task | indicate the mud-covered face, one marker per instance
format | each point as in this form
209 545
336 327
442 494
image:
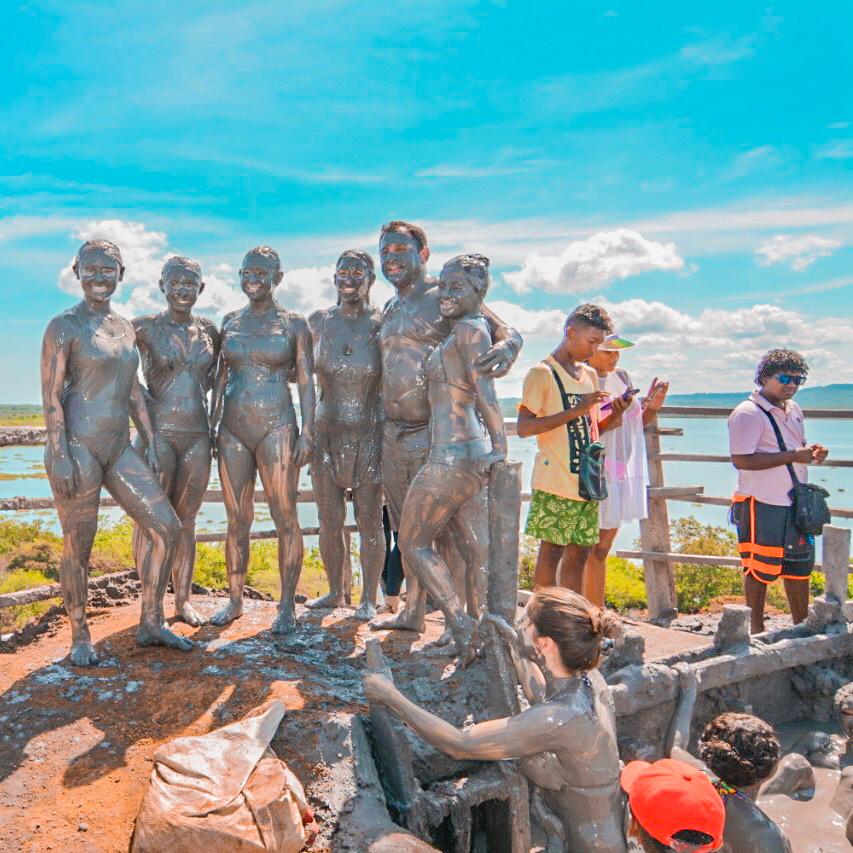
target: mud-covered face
99 274
457 296
259 276
352 280
402 261
181 288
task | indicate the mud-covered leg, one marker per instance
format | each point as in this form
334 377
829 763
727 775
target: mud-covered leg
280 477
368 518
136 489
237 473
331 510
187 494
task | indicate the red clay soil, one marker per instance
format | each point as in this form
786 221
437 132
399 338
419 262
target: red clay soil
76 745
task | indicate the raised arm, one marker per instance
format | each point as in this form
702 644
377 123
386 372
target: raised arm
529 675
54 362
304 368
498 360
529 733
472 342
678 736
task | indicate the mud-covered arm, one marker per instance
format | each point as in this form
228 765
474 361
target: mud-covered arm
210 379
139 413
500 357
55 350
529 675
533 731
472 342
304 369
220 380
678 735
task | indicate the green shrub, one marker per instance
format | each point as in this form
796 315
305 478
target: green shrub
15 581
624 585
14 534
39 556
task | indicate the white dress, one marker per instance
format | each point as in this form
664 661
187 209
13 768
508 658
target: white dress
624 463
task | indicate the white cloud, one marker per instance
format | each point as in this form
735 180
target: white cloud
755 160
145 251
800 250
718 51
838 149
595 262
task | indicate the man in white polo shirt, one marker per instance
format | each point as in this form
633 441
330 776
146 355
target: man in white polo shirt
771 546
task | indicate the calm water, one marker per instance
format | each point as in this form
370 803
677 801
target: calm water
22 473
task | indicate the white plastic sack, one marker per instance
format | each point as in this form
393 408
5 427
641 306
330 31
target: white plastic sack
223 791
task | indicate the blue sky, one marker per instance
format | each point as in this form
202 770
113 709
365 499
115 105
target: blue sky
686 164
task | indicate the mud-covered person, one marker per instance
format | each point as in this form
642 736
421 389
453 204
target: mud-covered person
412 325
566 740
771 546
565 524
672 808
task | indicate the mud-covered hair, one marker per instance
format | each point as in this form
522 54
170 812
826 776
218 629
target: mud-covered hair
363 257
589 314
841 695
105 246
265 252
414 231
573 623
477 267
739 748
180 262
686 836
780 361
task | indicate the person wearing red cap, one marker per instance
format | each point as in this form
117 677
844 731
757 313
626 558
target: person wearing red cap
673 806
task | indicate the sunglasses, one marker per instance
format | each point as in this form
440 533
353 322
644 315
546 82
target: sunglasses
787 379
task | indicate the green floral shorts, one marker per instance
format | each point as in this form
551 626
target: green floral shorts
562 521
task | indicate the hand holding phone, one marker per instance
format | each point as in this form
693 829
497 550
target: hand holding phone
626 397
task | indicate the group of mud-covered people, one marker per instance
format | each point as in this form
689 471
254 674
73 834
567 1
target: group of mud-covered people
407 417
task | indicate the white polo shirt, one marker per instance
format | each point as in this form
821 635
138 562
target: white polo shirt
751 432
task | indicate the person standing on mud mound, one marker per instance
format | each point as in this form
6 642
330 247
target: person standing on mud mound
450 490
256 429
348 441
412 325
89 388
770 544
565 523
179 353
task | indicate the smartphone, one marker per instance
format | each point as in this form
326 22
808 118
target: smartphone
626 396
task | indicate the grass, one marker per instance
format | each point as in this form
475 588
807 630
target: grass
21 414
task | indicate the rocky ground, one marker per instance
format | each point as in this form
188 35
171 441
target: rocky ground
76 745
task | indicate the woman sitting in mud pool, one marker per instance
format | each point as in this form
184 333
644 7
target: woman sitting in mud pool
566 740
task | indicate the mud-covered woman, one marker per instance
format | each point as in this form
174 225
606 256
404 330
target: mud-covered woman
256 429
566 740
449 491
179 352
89 390
348 442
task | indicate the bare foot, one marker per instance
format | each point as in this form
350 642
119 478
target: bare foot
285 622
333 599
187 613
403 621
233 610
445 639
366 611
83 652
157 635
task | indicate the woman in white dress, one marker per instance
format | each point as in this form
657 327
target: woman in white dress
624 460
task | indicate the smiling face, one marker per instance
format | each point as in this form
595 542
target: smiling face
352 281
259 276
181 287
402 261
457 295
99 274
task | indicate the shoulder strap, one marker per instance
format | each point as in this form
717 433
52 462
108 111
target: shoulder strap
564 396
779 440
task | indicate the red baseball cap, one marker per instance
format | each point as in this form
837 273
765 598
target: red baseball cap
670 796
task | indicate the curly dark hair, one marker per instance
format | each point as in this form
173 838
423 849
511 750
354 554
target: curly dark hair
780 361
590 315
739 748
414 231
687 836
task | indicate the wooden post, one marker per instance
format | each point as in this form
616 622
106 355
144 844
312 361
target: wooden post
348 567
654 536
836 561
